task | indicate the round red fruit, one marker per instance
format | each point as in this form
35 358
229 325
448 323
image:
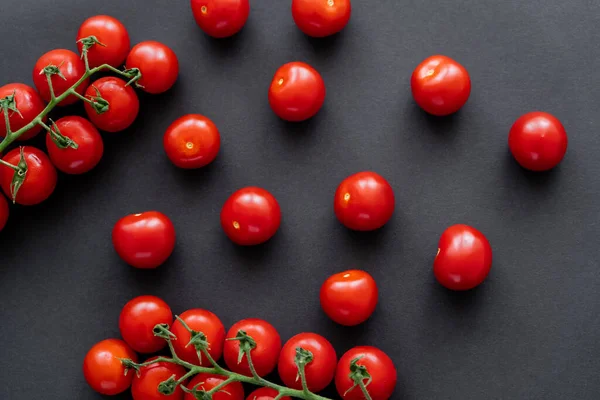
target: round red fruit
349 298
200 321
123 104
30 105
4 212
205 382
146 381
320 18
157 63
265 393
103 370
221 18
114 38
71 68
192 141
138 319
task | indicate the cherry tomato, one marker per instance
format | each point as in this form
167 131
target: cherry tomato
123 104
112 34
145 383
71 67
192 141
319 372
264 355
103 369
349 298
265 393
157 63
379 366
29 103
320 18
138 319
221 18
88 153
250 216
297 92
204 381
200 321
538 141
40 179
440 85
464 258
364 201
4 211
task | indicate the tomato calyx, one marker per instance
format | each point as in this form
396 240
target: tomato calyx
246 344
359 374
7 104
134 75
19 174
162 331
198 340
199 394
168 387
302 359
98 103
61 141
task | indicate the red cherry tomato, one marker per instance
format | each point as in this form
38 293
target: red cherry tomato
40 179
464 258
264 355
88 153
144 240
4 211
349 298
145 383
221 18
102 367
319 372
204 381
440 85
192 141
29 103
297 92
200 321
72 69
538 141
320 18
265 393
138 319
250 216
364 201
112 34
157 63
123 104
379 366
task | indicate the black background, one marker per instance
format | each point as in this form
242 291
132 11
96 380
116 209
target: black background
530 332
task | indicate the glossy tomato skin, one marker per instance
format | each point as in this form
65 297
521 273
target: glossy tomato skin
250 216
145 383
201 321
40 180
265 393
538 141
319 373
192 141
29 103
320 18
144 240
4 212
138 319
440 85
350 297
464 258
264 355
112 34
378 364
364 201
72 69
103 370
204 381
123 104
157 63
297 92
221 18
88 153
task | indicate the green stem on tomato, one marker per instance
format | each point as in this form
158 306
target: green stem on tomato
7 122
52 94
9 165
364 390
82 97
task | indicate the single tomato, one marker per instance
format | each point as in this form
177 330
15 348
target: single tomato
71 68
297 92
192 141
144 240
204 381
114 38
364 201
440 85
30 105
320 18
138 319
123 104
221 18
250 216
89 146
464 258
349 298
538 141
264 355
157 63
4 212
40 178
378 365
200 321
265 393
319 372
103 370
146 381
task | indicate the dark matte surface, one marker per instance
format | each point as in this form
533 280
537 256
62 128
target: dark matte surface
530 332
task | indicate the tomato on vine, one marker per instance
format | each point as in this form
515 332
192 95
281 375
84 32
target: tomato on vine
4 212
192 141
145 383
123 104
29 103
320 18
266 393
221 18
70 68
212 329
112 35
102 367
206 382
157 63
349 298
138 319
